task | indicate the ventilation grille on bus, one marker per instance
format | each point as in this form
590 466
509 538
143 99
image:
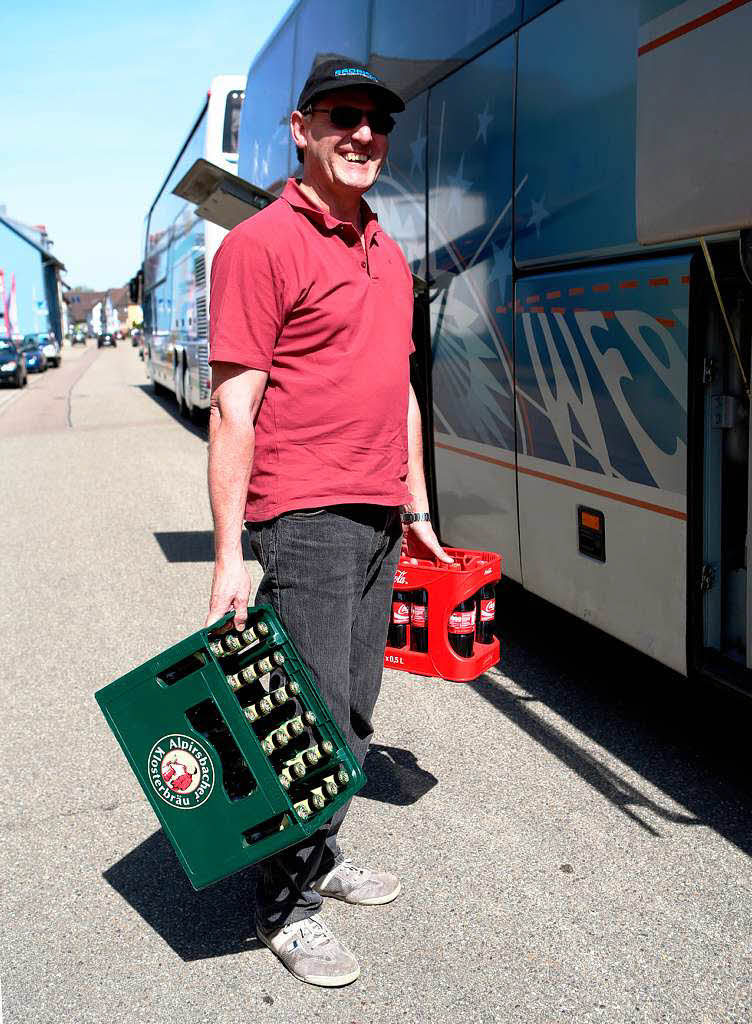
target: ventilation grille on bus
202 320
199 270
203 370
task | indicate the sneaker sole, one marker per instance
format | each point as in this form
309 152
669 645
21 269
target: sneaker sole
375 901
321 981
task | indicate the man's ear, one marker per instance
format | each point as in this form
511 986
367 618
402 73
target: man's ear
297 129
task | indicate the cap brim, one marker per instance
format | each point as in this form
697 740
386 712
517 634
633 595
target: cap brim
390 100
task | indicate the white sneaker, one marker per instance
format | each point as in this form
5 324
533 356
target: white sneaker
311 953
361 886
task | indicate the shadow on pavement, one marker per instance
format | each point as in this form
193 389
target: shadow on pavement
195 545
689 740
198 426
217 921
394 776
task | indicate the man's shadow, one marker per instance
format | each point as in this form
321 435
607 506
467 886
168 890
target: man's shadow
218 920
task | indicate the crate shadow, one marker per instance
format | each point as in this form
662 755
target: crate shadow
218 921
394 776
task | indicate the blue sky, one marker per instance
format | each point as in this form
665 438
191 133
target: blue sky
96 101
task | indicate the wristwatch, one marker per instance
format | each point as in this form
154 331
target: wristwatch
414 517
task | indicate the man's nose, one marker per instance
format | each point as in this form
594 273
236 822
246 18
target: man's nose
363 132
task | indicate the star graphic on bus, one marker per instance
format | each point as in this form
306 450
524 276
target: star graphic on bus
418 148
459 185
539 214
502 266
484 121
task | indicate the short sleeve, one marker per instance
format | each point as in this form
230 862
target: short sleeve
246 302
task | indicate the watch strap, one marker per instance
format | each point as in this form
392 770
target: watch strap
408 518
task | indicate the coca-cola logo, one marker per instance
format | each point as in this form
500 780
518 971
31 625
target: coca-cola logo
400 576
400 612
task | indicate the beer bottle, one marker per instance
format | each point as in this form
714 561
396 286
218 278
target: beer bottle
230 643
342 777
255 711
314 754
399 619
419 621
293 727
330 787
293 771
283 693
302 809
317 799
284 781
462 628
484 628
256 670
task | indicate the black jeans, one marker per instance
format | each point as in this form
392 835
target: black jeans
328 574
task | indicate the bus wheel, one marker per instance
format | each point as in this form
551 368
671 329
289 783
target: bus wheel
188 406
180 383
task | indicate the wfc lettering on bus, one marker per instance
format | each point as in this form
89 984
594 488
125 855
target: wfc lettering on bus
612 390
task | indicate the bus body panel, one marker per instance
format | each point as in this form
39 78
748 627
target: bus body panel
639 593
602 377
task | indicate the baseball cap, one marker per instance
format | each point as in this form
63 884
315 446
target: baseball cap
346 74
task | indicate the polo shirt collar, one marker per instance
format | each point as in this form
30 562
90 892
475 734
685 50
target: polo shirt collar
295 196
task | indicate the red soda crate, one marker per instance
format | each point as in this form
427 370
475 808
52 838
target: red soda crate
446 586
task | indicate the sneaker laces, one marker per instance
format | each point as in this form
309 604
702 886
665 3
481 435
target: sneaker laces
311 930
350 869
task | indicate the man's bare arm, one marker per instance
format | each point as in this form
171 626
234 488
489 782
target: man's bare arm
419 539
236 398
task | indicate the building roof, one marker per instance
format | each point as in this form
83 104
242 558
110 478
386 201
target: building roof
47 257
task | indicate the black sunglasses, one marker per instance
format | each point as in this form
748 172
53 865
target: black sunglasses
351 117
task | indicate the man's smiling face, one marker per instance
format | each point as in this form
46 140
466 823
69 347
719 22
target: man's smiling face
343 161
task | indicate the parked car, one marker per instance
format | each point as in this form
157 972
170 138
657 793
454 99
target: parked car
50 345
78 337
12 364
106 339
36 360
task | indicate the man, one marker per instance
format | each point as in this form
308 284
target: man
315 441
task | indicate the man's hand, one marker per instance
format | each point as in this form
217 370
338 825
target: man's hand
231 591
419 541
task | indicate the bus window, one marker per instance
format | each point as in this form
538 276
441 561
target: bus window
413 45
327 28
232 121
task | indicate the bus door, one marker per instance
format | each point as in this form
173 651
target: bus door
720 613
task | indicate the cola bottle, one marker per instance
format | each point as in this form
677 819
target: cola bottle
484 627
462 628
419 621
399 620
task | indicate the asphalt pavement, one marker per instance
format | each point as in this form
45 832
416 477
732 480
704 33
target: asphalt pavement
572 830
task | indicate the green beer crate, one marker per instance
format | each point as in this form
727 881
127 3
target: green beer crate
233 745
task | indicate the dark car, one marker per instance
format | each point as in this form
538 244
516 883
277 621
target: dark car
12 364
106 339
36 360
50 345
78 337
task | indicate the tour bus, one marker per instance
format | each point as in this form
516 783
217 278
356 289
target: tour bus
570 185
179 247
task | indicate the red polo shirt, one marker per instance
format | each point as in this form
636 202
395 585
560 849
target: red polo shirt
294 293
